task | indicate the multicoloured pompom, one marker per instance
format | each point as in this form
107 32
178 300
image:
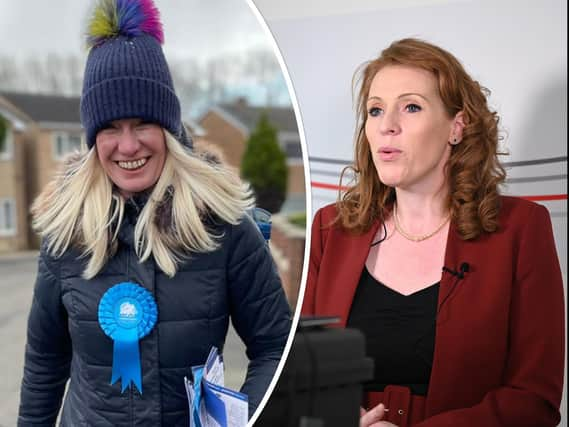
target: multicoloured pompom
131 18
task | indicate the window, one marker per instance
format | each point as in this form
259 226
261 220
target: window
7 146
293 150
7 217
290 144
64 143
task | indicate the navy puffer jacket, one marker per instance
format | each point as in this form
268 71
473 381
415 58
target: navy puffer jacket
238 280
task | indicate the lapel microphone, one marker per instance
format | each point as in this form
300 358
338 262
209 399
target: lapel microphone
464 268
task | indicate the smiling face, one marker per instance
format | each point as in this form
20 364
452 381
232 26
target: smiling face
132 153
408 128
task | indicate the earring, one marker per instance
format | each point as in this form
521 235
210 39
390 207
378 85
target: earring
453 142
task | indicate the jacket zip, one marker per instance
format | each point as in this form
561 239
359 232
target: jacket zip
131 397
152 264
131 405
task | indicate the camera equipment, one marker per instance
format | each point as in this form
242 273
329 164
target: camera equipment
321 383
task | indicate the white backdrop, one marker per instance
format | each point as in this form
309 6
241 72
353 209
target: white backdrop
517 49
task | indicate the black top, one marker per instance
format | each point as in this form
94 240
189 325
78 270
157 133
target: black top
399 332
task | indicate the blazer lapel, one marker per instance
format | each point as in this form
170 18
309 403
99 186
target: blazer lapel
449 286
449 282
345 263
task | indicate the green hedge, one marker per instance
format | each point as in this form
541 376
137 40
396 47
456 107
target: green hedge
264 166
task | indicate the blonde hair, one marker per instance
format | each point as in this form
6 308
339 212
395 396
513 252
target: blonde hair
80 209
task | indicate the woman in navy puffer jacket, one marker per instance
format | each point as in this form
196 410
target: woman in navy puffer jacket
141 207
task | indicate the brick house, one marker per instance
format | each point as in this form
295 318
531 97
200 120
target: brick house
227 127
13 197
42 129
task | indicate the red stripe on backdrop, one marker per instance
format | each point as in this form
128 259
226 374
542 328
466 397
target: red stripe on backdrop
327 186
536 198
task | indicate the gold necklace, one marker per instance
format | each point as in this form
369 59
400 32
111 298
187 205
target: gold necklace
415 238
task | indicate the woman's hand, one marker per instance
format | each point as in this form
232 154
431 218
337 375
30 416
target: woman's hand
373 417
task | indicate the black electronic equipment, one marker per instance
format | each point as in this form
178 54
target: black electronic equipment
321 383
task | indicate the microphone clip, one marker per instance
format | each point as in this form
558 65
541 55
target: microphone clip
464 268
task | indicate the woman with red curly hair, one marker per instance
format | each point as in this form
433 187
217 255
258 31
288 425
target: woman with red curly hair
456 288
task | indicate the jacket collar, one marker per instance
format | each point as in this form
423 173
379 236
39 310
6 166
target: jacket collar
453 261
338 299
132 208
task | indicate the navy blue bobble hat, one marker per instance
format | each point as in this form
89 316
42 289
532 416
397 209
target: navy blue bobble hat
126 74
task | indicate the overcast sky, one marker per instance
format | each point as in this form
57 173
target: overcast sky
196 28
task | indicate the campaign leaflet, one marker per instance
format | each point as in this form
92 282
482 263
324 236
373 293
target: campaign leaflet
210 403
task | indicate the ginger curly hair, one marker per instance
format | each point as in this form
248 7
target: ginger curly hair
473 171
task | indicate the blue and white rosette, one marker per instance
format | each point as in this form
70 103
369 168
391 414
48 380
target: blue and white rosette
127 313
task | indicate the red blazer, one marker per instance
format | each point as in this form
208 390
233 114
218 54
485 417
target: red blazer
499 346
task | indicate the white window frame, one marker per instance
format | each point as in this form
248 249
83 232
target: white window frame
13 230
65 138
8 152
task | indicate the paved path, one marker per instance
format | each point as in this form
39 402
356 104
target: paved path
17 276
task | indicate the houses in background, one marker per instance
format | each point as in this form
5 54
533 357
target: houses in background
228 127
42 130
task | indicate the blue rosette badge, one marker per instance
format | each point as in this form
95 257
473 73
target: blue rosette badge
127 313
